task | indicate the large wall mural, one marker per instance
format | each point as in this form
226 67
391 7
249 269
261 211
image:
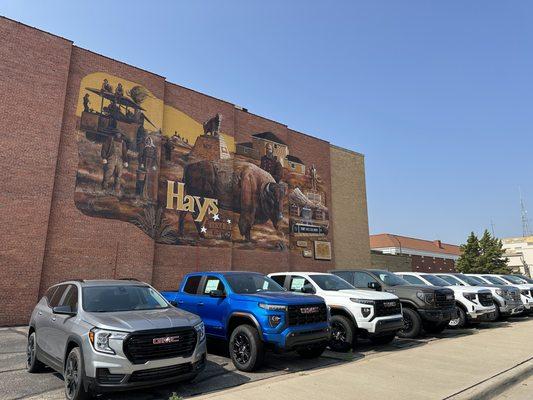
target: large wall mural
185 182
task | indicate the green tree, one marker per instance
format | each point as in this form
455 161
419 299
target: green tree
470 253
492 259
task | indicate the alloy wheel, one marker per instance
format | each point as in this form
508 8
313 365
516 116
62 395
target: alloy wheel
407 323
72 377
338 333
241 348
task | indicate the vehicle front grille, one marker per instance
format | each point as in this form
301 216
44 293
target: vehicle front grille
443 300
148 375
143 346
486 299
514 295
307 314
384 308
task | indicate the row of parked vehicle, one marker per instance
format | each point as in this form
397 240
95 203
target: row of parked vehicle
106 335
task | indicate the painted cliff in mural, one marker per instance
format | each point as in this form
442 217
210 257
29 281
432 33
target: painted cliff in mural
186 182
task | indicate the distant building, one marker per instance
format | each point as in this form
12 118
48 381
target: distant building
519 251
280 148
426 255
295 164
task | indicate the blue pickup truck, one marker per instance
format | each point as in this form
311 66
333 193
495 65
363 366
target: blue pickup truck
253 313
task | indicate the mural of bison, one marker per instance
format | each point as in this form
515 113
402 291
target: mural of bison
239 186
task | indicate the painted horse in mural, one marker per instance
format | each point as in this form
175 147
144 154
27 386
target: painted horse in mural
239 186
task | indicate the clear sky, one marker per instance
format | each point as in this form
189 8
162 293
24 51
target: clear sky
438 95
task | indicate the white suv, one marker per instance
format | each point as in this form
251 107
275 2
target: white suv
474 304
376 315
525 288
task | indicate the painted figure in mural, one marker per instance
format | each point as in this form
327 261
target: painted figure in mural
315 179
113 111
148 163
139 118
86 103
212 125
119 91
169 146
106 86
270 163
114 155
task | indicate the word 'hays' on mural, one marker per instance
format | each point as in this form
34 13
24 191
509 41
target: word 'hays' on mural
186 182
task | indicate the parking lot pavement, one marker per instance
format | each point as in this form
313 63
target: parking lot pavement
220 374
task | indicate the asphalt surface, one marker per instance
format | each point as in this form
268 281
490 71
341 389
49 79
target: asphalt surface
220 374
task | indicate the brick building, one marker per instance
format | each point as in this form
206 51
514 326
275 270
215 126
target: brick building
111 171
425 255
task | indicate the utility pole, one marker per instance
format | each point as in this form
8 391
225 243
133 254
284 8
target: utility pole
492 227
523 213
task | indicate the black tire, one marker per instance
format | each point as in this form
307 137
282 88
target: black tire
312 351
246 348
435 328
412 324
32 363
382 340
460 321
342 334
73 375
498 315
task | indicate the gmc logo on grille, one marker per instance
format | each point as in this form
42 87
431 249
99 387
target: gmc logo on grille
165 340
449 297
389 304
309 310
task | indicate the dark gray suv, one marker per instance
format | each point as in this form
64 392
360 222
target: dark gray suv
106 335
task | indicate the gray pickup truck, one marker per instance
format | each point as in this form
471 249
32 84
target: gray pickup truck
107 335
423 307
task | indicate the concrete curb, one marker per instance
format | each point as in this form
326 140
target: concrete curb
495 385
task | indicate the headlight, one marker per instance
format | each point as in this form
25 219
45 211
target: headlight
427 297
363 301
500 292
273 307
469 296
100 339
200 331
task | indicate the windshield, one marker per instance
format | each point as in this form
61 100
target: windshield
390 279
528 280
121 298
514 279
451 280
435 280
252 283
468 279
495 280
476 281
330 282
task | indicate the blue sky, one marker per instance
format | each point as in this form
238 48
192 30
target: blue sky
438 95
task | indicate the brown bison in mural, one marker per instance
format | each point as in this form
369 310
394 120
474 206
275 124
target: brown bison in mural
239 186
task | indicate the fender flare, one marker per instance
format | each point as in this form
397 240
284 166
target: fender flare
245 315
343 308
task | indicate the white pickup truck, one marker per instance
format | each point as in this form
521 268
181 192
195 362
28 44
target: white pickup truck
526 289
474 304
354 312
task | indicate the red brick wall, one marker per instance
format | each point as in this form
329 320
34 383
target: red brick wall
432 264
45 238
34 67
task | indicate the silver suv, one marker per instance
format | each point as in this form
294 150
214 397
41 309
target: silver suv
106 335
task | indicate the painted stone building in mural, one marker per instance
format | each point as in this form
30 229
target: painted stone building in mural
128 175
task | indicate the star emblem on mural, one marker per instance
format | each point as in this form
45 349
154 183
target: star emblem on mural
228 221
216 217
204 229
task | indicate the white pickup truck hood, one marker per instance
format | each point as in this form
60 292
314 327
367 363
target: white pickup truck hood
361 294
468 289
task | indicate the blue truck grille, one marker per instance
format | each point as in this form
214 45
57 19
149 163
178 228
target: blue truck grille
143 346
307 314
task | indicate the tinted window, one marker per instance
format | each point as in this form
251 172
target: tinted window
70 298
331 282
191 286
121 298
494 280
413 279
435 280
49 293
279 279
362 279
56 297
252 283
212 283
388 278
451 280
347 276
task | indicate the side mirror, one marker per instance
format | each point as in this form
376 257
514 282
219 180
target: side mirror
217 293
308 289
374 286
173 303
63 310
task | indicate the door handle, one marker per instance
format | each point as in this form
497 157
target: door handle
40 313
180 302
200 304
53 318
